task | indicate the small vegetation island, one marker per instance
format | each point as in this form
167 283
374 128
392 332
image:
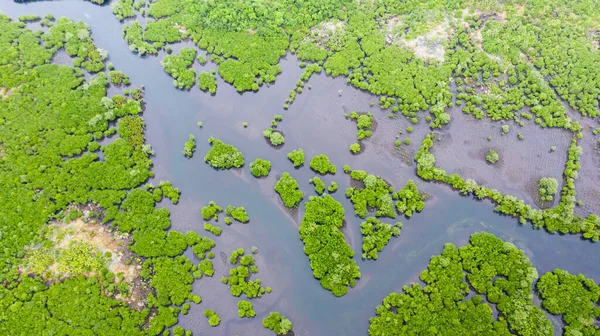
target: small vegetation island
435 104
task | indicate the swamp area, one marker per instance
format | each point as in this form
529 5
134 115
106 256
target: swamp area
316 120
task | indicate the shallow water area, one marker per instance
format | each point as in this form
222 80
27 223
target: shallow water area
316 122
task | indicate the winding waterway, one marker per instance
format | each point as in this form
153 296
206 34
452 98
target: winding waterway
316 123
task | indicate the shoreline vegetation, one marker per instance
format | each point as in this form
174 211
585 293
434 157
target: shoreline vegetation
87 244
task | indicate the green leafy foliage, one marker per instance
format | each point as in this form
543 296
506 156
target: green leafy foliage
207 81
364 122
118 78
319 185
76 302
278 323
178 66
260 167
238 213
200 245
374 195
297 157
333 187
329 254
492 157
321 164
239 277
171 278
494 269
355 148
211 211
547 187
123 9
572 296
223 156
287 188
409 199
213 319
206 267
245 309
376 235
190 147
213 229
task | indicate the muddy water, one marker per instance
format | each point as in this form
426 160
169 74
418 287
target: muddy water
316 123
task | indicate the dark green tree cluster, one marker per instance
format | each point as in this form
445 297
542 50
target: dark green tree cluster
169 191
34 308
374 195
319 185
239 277
246 40
201 246
561 218
547 188
211 211
364 122
574 297
275 137
46 169
245 309
260 167
278 323
213 319
207 81
492 156
223 156
287 188
297 157
321 164
75 38
189 147
494 269
331 257
213 229
409 199
237 213
376 236
179 67
118 78
123 9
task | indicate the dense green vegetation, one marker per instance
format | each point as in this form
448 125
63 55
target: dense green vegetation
211 211
321 164
495 270
319 185
574 297
561 218
260 167
179 67
287 188
245 309
376 235
364 122
492 157
373 194
239 277
190 146
278 323
223 156
237 213
547 188
297 157
213 319
275 137
207 81
118 78
409 199
329 254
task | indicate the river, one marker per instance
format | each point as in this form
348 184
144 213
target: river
316 123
